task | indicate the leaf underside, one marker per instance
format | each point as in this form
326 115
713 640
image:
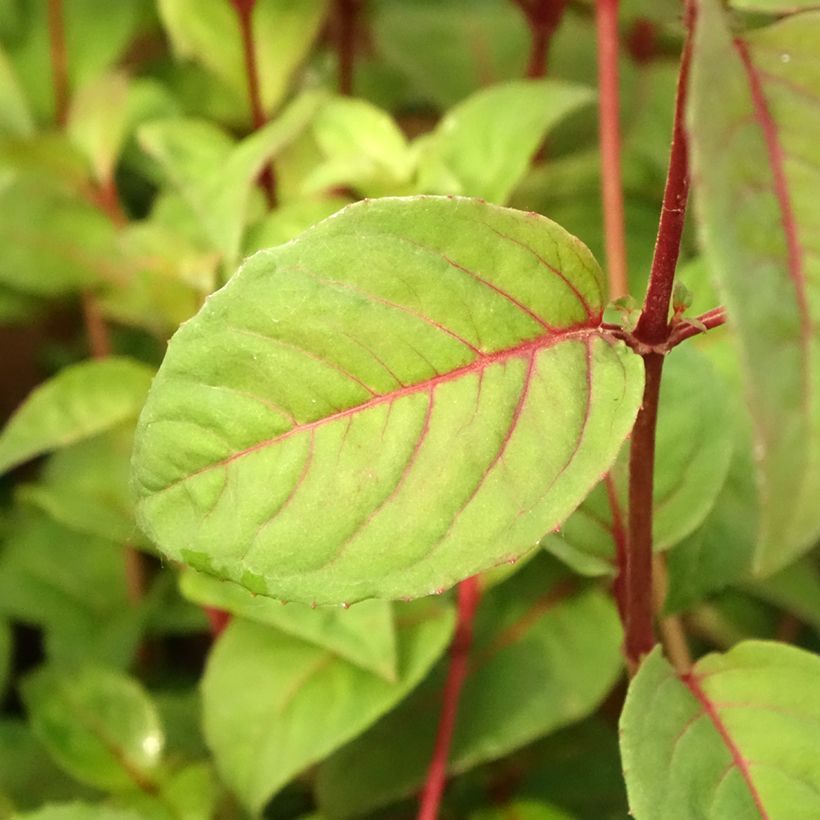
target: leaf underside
411 392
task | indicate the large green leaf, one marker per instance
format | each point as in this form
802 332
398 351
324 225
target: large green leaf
757 172
79 402
737 737
411 392
363 635
484 145
99 725
311 701
208 31
544 656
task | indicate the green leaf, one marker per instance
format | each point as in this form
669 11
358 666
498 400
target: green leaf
52 242
86 487
287 221
99 725
363 149
311 701
774 6
363 635
463 375
81 603
15 116
734 738
208 32
81 811
543 657
485 144
216 179
795 588
521 810
756 202
694 448
28 777
97 123
6 649
79 402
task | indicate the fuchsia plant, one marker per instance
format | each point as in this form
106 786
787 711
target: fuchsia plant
409 387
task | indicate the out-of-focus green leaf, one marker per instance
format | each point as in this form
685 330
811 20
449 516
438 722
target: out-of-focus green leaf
81 811
287 221
217 179
99 725
208 31
483 146
15 116
81 603
52 242
93 41
414 353
97 122
758 173
543 657
86 487
693 453
521 810
188 794
363 148
81 401
774 6
28 776
363 634
733 738
795 588
6 649
180 711
311 701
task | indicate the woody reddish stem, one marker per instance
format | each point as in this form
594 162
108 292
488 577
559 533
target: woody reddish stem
469 595
609 131
653 329
244 13
347 13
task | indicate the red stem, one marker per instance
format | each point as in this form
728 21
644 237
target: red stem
59 60
244 12
709 320
640 633
347 16
543 18
469 594
619 537
609 129
653 325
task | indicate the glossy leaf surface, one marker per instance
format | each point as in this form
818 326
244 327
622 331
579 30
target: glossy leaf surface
432 367
732 739
311 701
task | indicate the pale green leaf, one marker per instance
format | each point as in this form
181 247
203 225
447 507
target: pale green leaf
485 144
99 725
363 635
736 738
15 116
544 655
217 179
311 701
81 401
208 32
411 392
757 168
775 6
97 123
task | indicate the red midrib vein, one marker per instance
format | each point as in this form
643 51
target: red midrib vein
524 350
693 684
781 187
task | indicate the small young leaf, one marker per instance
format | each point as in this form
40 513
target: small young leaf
79 402
311 701
734 738
363 634
460 401
99 725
